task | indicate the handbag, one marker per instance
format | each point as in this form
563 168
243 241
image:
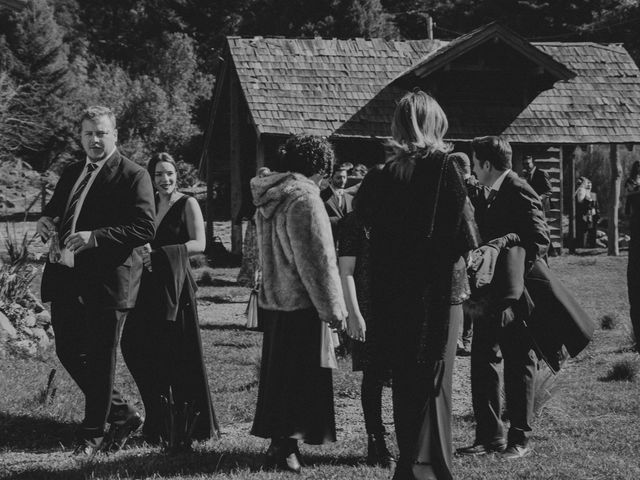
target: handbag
252 306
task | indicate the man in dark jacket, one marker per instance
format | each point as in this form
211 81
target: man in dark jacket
101 209
336 200
509 205
538 179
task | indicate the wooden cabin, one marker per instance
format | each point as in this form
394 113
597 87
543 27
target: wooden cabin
545 98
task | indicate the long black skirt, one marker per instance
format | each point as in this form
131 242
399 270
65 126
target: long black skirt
295 397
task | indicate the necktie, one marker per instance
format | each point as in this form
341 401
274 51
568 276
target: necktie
65 230
491 196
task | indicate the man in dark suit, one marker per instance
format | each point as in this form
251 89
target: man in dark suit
538 179
101 209
336 200
509 206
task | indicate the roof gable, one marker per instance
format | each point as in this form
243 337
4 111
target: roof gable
489 33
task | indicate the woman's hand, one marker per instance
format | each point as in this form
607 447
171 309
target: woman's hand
356 327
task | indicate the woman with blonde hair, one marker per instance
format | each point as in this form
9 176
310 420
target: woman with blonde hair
420 234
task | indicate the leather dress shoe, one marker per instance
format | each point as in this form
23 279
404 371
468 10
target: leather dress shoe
120 432
514 452
481 449
377 452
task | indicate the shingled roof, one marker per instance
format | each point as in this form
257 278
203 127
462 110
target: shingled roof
317 85
343 88
601 104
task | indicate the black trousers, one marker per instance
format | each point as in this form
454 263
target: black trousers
633 284
496 337
86 344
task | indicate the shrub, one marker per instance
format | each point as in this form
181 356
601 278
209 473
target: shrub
17 247
198 261
204 276
545 388
623 370
608 322
15 282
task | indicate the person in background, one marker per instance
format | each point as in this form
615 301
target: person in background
587 214
100 211
474 190
161 342
353 261
632 208
337 202
538 179
248 275
355 180
300 298
360 170
422 229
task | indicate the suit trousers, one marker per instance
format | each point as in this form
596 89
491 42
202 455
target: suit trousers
495 337
86 344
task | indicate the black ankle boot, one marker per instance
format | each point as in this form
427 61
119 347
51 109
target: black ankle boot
378 453
282 455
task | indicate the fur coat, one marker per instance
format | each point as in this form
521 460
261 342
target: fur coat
298 258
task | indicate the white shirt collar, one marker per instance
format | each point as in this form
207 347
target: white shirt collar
498 183
99 163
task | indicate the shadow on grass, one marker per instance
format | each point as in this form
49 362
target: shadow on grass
162 465
23 432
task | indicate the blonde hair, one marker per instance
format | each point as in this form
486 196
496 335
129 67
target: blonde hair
419 123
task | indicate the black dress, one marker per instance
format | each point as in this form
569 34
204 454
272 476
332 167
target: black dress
295 396
418 283
163 355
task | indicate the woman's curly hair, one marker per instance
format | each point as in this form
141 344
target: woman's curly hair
307 154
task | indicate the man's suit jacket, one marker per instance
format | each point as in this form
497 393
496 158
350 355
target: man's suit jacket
540 182
517 209
522 277
119 209
331 203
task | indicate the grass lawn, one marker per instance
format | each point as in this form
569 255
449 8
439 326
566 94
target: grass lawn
589 430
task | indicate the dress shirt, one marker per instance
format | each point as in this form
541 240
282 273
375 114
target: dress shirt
497 184
99 163
66 257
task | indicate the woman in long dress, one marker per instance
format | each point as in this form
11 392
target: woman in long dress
353 261
299 298
161 342
421 232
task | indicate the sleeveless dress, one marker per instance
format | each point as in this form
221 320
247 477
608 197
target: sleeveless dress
168 354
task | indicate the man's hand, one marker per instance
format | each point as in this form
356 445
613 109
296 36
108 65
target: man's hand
145 253
45 227
80 241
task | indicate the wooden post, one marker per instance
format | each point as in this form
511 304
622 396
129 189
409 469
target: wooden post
571 182
235 167
210 232
259 152
614 203
429 19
